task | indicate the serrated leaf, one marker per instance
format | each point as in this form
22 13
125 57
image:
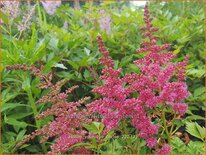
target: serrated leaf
195 148
195 130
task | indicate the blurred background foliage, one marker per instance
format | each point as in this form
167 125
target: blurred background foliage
66 43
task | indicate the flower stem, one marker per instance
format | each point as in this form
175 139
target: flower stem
165 126
35 112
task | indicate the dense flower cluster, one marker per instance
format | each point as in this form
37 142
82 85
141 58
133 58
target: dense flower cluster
154 84
50 6
117 104
160 81
68 118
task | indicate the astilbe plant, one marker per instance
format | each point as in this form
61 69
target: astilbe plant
160 83
68 116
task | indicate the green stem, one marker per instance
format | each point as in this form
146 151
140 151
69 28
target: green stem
35 112
172 127
138 146
40 16
165 126
10 35
33 106
98 148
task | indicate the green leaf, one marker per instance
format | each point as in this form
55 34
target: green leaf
194 117
199 91
87 51
196 73
26 84
60 66
99 126
87 75
73 64
175 52
94 127
109 135
10 106
6 95
91 128
178 146
20 115
82 144
4 17
53 44
20 135
94 142
39 51
14 122
195 130
126 60
193 148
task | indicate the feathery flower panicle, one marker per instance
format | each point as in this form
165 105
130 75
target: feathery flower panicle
154 82
116 103
154 85
65 25
67 125
50 6
25 23
11 8
105 22
76 5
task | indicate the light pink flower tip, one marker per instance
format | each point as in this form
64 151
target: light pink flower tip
105 22
50 6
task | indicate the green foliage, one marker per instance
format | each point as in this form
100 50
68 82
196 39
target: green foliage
95 144
196 130
193 147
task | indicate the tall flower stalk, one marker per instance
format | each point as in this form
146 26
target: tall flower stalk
105 22
69 117
25 23
159 84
